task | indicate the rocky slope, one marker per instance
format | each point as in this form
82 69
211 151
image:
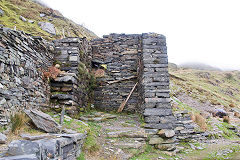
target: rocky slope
39 20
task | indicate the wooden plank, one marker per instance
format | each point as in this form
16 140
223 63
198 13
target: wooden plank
111 82
124 102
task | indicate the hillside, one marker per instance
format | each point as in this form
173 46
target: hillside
215 87
26 15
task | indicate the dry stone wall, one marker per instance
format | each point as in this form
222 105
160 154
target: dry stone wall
70 88
22 61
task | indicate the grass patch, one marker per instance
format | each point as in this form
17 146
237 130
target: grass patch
227 133
91 145
81 157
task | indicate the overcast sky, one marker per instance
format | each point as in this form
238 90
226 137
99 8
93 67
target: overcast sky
205 31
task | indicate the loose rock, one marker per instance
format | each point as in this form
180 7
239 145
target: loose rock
48 27
3 138
43 121
23 19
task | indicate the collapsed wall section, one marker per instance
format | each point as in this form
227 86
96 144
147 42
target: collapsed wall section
120 55
22 61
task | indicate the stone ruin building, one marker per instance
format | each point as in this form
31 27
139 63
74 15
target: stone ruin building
129 62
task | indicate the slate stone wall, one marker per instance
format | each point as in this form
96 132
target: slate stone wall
70 88
155 83
23 59
120 53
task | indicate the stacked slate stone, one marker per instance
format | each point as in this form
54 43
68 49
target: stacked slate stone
158 114
120 54
69 88
185 128
51 146
22 61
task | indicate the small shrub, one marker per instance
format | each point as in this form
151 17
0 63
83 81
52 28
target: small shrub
226 119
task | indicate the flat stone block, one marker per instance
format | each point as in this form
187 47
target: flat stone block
157 100
155 140
159 126
152 119
157 112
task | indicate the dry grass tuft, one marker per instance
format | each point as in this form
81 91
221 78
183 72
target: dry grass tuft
226 119
232 105
200 120
236 114
18 122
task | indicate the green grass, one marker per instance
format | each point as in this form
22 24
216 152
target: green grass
91 145
227 133
217 155
81 157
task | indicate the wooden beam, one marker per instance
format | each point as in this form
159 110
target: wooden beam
119 80
124 102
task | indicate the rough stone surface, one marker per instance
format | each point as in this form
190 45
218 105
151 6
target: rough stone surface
22 147
48 27
166 133
63 146
3 138
43 121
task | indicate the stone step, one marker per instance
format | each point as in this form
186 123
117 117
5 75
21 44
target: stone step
127 134
129 145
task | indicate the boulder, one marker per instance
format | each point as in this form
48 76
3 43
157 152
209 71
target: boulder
23 19
3 138
167 133
31 21
220 113
43 121
48 27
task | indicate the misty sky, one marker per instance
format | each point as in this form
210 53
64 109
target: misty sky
205 31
